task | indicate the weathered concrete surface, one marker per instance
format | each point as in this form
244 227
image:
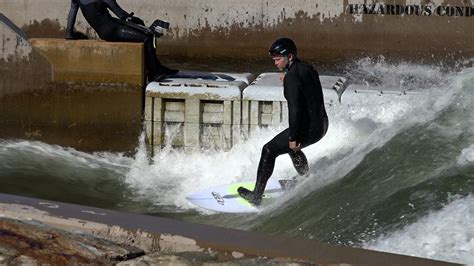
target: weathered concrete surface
329 31
87 116
21 68
14 43
32 242
175 238
29 235
93 61
84 116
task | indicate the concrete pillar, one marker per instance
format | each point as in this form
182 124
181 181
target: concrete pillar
192 123
157 121
236 122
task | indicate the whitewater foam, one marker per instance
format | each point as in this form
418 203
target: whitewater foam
24 153
466 156
446 235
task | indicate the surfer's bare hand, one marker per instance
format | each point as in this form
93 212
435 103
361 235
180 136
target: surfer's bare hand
293 145
282 76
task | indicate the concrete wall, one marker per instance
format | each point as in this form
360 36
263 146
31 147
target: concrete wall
71 93
93 61
325 30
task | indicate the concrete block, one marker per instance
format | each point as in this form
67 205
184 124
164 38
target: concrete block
192 135
236 131
209 109
173 116
254 114
284 115
245 118
227 112
148 110
163 115
276 113
227 133
358 94
93 60
157 133
149 132
213 107
157 109
196 89
172 111
192 111
212 118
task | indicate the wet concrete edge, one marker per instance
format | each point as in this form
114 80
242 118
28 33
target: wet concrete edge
210 237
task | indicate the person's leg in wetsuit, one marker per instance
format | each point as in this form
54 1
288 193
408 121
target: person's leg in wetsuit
270 151
274 148
118 32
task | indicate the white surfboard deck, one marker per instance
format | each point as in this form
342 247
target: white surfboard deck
225 198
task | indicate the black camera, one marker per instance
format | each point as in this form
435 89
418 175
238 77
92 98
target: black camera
159 26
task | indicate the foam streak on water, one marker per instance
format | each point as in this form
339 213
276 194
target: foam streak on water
22 153
446 235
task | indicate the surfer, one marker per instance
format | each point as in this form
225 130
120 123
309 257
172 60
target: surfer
115 30
308 121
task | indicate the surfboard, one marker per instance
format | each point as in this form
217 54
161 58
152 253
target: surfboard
225 198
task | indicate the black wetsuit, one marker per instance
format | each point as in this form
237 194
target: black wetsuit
96 12
308 123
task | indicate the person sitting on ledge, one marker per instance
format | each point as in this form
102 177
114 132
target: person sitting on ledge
116 30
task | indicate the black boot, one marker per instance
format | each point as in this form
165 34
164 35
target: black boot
250 196
255 196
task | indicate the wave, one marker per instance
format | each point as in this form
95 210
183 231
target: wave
442 235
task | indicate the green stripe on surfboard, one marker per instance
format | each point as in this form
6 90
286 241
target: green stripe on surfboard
232 190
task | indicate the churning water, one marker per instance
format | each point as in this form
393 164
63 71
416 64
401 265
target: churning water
395 176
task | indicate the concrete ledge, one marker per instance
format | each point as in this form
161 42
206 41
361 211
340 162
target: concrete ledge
357 94
93 60
179 236
269 87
